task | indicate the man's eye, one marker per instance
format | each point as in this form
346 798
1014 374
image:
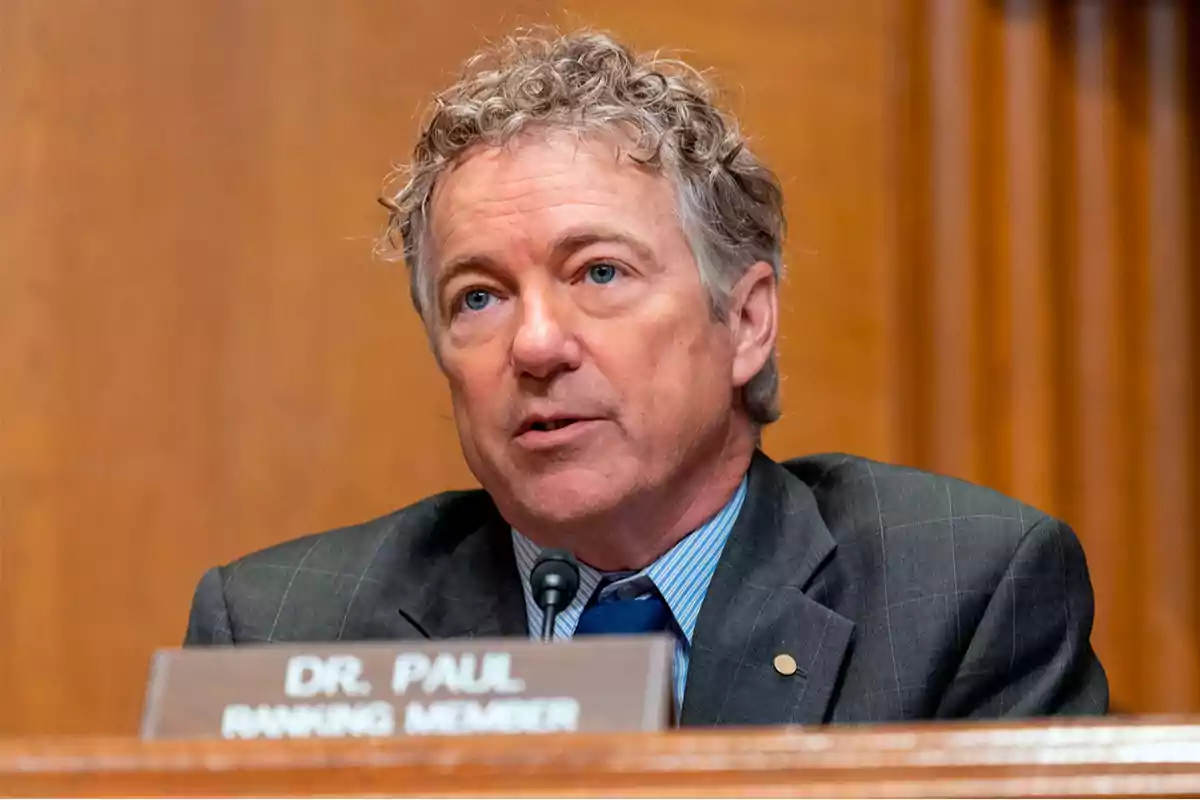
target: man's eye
602 273
475 299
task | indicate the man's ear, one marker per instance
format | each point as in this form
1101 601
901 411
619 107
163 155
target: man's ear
753 321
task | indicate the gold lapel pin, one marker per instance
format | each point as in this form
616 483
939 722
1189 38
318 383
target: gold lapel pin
785 664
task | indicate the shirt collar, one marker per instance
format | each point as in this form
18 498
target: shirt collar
681 575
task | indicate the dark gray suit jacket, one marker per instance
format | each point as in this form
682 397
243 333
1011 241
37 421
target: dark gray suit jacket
901 595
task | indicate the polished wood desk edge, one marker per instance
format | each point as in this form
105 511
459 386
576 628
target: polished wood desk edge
1150 757
1053 741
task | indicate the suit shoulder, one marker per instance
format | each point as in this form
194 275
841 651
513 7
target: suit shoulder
305 589
420 529
914 513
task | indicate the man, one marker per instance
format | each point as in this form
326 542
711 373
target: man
595 253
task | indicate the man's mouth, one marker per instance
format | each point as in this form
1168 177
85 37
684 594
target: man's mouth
551 424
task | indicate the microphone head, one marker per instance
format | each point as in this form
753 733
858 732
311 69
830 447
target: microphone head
555 571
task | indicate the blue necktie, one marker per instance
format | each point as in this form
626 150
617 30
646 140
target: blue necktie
647 614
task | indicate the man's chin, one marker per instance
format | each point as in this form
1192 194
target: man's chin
559 500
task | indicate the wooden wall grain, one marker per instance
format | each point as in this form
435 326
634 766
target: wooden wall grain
991 272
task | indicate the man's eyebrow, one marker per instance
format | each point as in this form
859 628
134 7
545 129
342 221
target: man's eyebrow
468 263
573 241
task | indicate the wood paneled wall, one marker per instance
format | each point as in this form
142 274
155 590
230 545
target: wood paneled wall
1049 208
992 272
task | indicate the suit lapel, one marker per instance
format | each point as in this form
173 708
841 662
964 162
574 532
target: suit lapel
464 586
757 608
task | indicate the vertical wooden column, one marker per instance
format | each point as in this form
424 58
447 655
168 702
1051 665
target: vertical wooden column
954 283
1025 334
1098 466
1168 458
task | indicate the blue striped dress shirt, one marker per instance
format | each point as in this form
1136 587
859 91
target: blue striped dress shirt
681 576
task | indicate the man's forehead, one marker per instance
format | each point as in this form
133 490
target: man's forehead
541 186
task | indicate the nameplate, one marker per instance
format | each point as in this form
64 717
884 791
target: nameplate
451 687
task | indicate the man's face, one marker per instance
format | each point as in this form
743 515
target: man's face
585 367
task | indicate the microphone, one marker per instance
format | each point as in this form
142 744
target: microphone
554 580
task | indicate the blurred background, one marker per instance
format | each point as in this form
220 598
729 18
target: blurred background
993 265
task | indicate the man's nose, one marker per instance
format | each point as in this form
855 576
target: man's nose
545 343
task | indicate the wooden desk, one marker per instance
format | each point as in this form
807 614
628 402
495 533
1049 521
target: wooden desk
1068 758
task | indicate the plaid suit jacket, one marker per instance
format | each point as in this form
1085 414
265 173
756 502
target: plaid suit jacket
901 595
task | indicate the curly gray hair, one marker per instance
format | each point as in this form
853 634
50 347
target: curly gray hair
729 204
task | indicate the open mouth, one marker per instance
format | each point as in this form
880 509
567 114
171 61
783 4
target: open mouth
551 424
